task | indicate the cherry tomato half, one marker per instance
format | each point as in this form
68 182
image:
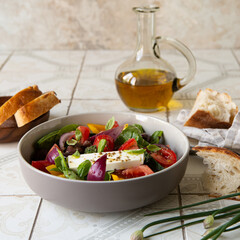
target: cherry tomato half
165 156
129 144
109 145
85 133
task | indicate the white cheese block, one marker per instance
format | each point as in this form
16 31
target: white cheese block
115 160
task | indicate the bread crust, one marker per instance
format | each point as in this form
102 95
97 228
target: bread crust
222 174
217 150
204 119
36 108
10 107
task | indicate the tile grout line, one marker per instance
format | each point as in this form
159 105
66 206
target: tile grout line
35 219
181 212
75 86
234 55
178 188
5 62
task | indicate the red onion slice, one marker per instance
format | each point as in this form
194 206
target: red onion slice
98 169
52 154
64 138
113 132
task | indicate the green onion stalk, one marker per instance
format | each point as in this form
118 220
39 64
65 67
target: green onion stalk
211 215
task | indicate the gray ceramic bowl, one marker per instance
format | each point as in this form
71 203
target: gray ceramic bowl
109 196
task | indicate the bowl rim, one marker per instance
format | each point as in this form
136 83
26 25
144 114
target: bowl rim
28 165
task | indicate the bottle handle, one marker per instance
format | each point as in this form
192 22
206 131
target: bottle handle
187 54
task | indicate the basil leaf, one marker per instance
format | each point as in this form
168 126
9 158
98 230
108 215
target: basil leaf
78 134
156 137
67 128
58 164
70 174
76 154
63 161
131 132
83 169
110 123
90 149
108 176
139 127
56 170
135 151
71 142
153 148
153 164
47 141
101 145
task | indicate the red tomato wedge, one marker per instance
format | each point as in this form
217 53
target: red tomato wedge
129 144
41 165
139 171
165 156
109 145
85 133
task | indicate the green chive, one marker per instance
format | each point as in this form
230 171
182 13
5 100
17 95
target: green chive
194 204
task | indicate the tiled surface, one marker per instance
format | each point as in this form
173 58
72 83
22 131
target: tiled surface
84 81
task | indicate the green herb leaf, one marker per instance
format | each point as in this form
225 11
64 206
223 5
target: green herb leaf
153 148
108 176
70 174
56 170
110 123
47 141
135 151
71 142
91 149
131 132
83 169
139 127
76 154
63 161
157 137
58 163
101 145
152 163
78 134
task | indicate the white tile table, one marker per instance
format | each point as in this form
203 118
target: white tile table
84 81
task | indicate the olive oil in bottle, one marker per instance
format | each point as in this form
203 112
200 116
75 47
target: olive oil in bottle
145 90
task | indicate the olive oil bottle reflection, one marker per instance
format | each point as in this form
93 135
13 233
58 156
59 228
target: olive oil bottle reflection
146 89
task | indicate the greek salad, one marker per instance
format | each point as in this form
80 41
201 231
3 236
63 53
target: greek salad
96 152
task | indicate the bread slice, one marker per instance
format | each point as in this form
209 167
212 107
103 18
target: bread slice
222 175
36 108
212 110
21 98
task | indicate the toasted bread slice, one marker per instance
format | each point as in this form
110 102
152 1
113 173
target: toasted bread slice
212 110
36 108
10 107
222 175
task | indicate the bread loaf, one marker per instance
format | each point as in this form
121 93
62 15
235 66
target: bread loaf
222 175
10 107
36 108
212 110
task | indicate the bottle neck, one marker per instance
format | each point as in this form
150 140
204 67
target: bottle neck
146 34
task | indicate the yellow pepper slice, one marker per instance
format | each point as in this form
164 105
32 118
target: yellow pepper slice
96 128
55 173
115 177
